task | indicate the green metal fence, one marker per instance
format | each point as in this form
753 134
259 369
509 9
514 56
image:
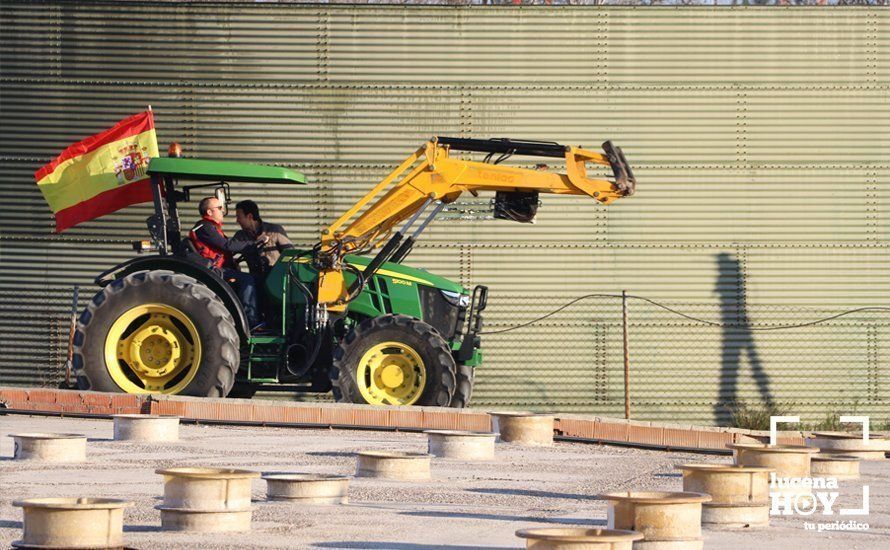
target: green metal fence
758 136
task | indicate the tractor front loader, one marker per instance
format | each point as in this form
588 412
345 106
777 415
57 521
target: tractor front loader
369 328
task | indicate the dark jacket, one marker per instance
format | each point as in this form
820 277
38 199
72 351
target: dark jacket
261 259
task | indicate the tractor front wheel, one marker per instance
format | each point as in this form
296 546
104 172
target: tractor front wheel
393 360
156 332
463 391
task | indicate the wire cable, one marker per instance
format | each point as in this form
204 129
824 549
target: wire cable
691 317
552 313
761 329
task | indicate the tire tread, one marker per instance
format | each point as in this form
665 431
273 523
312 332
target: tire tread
217 384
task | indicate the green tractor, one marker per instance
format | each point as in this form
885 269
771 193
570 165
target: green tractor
367 328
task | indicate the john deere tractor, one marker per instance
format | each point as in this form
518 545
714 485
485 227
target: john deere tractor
345 319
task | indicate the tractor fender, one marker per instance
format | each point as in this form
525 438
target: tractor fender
178 265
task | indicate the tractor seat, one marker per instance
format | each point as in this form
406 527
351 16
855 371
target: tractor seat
188 251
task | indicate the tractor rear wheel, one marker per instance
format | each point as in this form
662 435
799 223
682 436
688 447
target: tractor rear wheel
393 360
156 332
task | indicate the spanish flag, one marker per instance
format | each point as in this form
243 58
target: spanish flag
102 173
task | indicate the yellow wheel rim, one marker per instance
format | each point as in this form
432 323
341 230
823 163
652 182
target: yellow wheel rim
391 373
153 348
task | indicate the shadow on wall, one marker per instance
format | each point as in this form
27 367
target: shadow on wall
736 339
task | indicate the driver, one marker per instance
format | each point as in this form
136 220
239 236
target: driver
211 243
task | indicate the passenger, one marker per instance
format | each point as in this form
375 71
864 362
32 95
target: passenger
255 230
209 240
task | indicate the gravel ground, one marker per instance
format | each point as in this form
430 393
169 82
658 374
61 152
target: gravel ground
466 504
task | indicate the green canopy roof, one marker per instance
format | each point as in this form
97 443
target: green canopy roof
213 170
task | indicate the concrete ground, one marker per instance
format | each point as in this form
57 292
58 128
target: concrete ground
466 505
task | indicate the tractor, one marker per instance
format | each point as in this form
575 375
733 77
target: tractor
344 318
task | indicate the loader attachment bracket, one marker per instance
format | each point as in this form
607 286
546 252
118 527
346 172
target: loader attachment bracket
624 176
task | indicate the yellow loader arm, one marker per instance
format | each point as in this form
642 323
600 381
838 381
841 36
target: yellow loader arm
431 175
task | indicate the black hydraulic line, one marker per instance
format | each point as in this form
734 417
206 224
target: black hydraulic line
296 278
502 146
504 157
388 250
403 250
406 247
307 364
385 253
309 298
356 288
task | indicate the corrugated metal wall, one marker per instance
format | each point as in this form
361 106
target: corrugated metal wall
759 138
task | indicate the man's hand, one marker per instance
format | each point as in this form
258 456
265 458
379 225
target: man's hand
262 240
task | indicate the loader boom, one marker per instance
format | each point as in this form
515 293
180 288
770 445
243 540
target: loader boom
430 174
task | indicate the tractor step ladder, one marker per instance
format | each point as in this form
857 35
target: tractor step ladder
265 355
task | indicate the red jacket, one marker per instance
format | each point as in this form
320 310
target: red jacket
210 241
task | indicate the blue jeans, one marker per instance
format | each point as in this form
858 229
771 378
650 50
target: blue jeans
246 293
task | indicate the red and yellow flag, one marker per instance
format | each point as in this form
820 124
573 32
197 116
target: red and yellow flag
102 173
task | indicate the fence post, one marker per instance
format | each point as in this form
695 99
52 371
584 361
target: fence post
626 356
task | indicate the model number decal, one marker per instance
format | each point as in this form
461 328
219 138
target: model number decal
401 282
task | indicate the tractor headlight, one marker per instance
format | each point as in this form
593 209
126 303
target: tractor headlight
456 298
